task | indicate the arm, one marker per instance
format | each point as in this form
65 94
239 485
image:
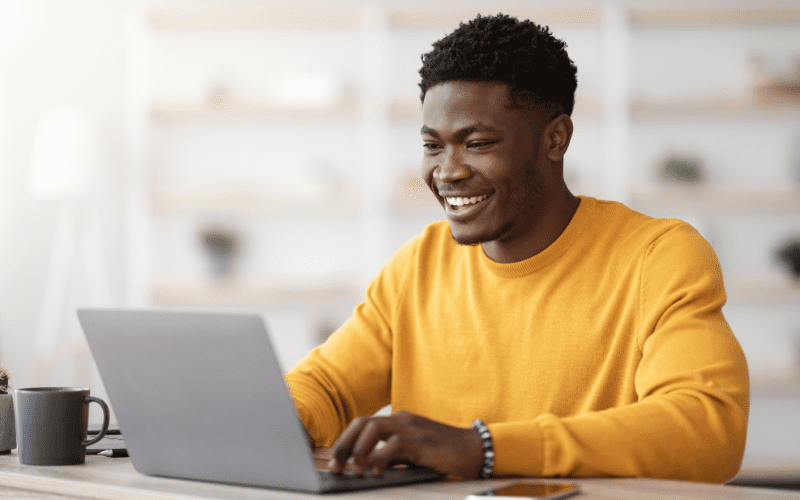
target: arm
350 374
690 419
346 377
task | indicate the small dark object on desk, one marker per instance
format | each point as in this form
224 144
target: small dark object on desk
3 379
112 445
8 432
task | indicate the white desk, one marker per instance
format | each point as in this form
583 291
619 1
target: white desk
115 478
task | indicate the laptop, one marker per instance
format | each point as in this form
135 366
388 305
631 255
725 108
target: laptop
201 396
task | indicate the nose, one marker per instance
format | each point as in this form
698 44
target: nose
452 168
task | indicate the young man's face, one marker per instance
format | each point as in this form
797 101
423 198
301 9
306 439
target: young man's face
484 162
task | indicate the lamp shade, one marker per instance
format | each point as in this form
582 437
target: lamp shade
65 155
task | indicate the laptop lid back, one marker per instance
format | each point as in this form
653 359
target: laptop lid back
200 396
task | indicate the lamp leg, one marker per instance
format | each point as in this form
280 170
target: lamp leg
55 291
97 286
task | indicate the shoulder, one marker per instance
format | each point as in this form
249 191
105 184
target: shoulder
669 253
619 225
657 247
434 242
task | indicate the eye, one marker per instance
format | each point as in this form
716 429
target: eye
430 147
480 144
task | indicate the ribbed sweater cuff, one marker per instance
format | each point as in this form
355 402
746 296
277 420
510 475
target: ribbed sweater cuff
518 448
315 410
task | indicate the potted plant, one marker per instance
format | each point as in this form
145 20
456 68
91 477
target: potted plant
8 436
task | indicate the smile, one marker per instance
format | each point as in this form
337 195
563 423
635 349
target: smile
461 201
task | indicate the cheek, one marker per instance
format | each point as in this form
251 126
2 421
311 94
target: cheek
529 188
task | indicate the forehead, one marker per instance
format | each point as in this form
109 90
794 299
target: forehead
458 105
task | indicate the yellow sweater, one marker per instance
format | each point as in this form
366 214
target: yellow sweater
605 354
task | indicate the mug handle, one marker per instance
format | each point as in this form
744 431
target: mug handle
104 429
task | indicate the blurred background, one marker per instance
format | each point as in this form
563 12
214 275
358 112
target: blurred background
264 156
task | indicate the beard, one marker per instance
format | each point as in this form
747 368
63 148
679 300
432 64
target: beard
531 202
472 241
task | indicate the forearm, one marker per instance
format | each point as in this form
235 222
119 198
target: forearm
324 415
686 434
348 376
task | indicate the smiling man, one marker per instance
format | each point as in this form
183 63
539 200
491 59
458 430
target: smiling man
533 332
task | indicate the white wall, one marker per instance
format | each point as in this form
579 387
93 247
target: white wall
54 54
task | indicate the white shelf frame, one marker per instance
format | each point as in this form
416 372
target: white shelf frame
377 112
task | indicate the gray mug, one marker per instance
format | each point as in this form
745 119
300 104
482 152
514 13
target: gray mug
52 424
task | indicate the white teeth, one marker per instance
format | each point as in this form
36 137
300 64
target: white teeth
460 202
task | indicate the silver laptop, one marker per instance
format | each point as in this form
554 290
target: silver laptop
201 396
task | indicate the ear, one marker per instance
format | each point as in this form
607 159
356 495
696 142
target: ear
557 136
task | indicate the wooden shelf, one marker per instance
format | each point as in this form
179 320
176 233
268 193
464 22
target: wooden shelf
785 386
716 15
715 199
243 292
754 290
409 109
164 113
428 15
240 15
251 15
725 107
196 201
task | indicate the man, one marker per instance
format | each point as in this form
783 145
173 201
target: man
582 337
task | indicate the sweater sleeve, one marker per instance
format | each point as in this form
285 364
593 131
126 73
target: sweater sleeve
350 374
690 418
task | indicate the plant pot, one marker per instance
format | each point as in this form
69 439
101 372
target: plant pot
8 435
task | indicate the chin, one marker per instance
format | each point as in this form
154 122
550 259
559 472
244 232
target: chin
468 241
468 238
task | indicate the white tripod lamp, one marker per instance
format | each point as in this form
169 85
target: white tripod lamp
64 168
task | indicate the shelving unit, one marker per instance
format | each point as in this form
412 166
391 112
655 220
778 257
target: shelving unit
196 86
727 108
714 16
164 113
413 16
373 51
215 16
266 202
749 201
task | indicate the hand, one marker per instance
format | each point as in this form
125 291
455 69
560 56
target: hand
455 451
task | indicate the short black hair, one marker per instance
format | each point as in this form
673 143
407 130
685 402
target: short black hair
522 54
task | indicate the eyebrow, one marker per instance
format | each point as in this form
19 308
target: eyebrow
460 133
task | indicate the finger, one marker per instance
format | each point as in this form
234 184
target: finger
380 458
374 430
344 444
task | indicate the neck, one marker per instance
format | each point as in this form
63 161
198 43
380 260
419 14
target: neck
552 220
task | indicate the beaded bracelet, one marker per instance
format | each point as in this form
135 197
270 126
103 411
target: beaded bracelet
488 449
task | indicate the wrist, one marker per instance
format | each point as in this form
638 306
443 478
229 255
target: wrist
487 449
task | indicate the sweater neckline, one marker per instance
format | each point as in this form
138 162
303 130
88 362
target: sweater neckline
550 254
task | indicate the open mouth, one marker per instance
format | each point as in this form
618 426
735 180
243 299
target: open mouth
460 201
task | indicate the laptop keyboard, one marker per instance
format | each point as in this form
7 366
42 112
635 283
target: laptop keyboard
399 474
390 477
